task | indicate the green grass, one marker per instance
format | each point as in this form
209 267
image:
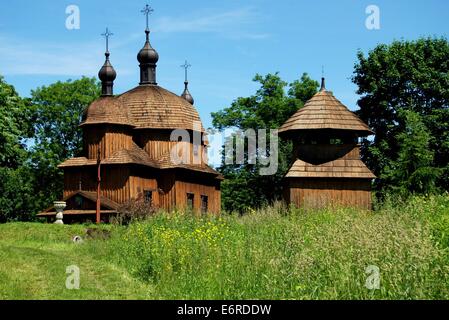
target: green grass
274 253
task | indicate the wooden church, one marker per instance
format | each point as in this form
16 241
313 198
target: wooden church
328 169
129 149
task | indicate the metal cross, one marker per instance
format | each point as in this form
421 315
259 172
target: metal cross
147 11
186 66
107 34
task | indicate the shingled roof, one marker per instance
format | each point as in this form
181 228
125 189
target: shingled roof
324 111
151 106
144 107
341 168
136 155
106 109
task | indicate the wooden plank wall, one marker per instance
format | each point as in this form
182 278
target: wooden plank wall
114 181
109 137
157 143
317 193
139 184
167 191
183 187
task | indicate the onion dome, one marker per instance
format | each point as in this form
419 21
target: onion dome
107 76
186 94
147 54
107 73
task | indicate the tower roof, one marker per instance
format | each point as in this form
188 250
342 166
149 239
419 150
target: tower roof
324 111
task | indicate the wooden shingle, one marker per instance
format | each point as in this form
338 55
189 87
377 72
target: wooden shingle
324 111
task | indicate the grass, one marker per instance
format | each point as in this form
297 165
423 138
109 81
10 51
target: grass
274 253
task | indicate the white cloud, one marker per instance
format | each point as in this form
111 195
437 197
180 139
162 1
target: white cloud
230 24
36 57
33 57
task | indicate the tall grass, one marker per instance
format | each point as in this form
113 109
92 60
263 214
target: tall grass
279 253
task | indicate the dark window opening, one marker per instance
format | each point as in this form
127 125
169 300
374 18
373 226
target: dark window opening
190 200
204 203
148 196
79 202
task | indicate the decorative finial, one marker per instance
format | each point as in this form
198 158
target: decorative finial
186 66
147 56
323 84
107 34
186 94
323 80
147 11
107 73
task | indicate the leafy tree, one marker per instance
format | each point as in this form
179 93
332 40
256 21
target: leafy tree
14 126
405 75
413 171
17 197
58 110
15 180
267 109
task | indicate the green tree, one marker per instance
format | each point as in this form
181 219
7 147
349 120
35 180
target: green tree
15 180
58 110
405 75
14 126
413 171
268 108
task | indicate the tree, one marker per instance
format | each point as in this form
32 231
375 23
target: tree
15 180
14 126
405 75
413 171
267 109
58 111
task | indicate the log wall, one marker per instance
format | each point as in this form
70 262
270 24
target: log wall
318 193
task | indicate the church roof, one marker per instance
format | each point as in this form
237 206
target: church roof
324 111
341 168
144 107
106 109
136 155
153 107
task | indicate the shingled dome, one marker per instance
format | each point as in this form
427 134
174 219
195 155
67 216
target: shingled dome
106 110
324 111
153 107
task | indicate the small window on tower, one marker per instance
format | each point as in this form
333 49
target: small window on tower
190 200
148 196
204 203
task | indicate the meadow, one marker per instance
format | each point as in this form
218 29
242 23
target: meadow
272 253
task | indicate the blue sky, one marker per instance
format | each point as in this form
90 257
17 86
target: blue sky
227 42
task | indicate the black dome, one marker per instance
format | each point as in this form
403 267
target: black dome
186 94
147 54
107 72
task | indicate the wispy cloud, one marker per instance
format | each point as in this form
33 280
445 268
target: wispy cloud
235 24
36 57
32 57
40 57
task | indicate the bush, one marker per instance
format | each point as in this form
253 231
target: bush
134 210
